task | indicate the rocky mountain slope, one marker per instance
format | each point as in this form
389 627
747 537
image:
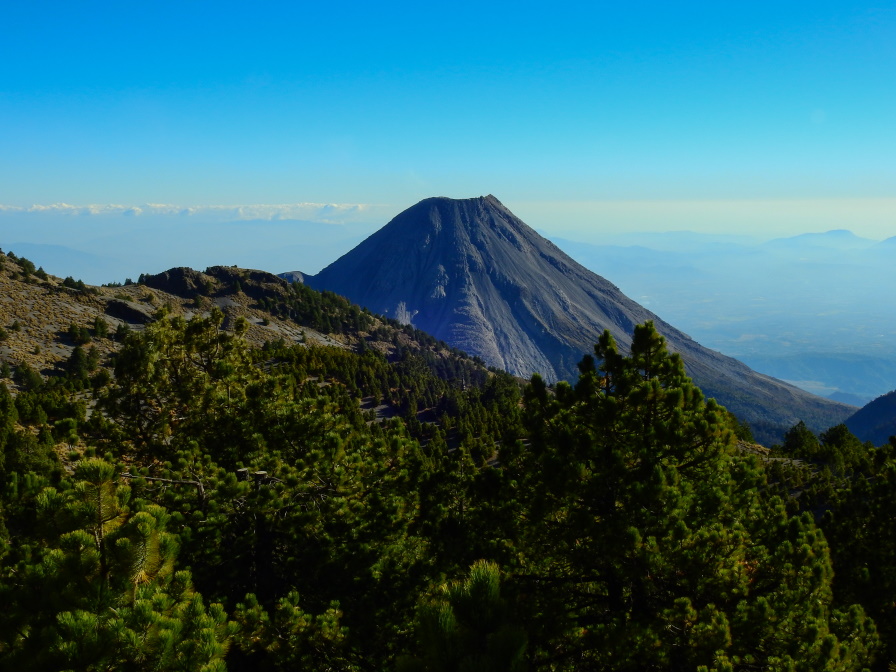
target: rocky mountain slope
876 421
473 274
43 318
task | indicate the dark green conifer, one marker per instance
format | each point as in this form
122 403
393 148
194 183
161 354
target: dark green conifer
102 593
648 547
469 627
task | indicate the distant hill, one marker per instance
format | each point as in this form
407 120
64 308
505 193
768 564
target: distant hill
887 245
839 239
471 273
875 422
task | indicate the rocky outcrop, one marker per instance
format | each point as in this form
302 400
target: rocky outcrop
253 283
292 276
180 281
132 312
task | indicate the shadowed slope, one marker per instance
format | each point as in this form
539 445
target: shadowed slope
876 421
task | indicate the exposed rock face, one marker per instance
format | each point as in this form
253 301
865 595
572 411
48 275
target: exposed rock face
182 281
253 283
471 273
130 311
186 282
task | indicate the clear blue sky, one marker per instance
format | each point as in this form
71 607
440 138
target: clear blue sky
541 104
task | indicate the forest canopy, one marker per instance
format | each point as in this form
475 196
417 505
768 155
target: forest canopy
208 506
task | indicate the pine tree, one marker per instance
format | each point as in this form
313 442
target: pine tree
174 379
101 591
647 544
469 627
859 525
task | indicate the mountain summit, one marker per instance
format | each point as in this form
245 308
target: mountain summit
473 274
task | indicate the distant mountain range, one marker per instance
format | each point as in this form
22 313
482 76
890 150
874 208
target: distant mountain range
837 239
471 273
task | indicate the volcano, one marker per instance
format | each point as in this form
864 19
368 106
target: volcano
469 272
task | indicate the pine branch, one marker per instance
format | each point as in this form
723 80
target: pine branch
175 481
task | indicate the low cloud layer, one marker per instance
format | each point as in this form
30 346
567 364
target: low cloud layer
328 213
104 242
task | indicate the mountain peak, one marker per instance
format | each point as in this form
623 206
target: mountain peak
471 273
488 198
474 204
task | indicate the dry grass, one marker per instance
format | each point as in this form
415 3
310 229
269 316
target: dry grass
45 309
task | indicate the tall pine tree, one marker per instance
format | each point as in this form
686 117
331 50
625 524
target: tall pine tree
647 545
100 592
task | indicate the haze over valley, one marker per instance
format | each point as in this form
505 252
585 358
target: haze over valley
816 309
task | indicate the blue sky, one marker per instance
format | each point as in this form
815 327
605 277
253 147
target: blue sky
578 116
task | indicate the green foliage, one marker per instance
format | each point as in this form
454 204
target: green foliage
800 442
469 627
24 452
837 448
648 544
79 335
76 366
71 283
290 638
323 311
859 526
171 375
27 378
100 327
8 417
101 592
121 331
26 266
81 363
632 533
843 452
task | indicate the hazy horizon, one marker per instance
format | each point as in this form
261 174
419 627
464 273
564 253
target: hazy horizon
769 116
116 238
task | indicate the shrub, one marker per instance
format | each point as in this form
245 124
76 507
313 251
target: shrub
79 335
27 377
26 265
100 327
